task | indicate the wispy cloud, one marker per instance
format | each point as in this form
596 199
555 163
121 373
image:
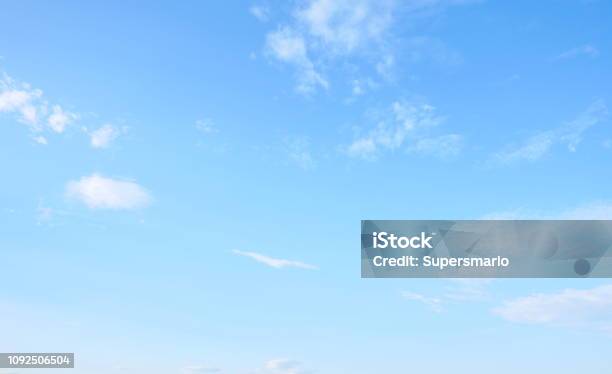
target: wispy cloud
540 144
319 32
206 126
261 12
459 291
578 308
274 262
407 127
587 50
103 136
299 153
284 366
433 303
98 192
444 146
343 26
288 46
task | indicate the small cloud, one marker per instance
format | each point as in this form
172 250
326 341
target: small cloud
206 126
98 192
40 140
343 27
586 50
575 308
385 66
59 119
298 150
104 136
459 291
433 303
466 289
43 214
406 126
444 146
361 86
540 144
261 12
284 366
21 99
274 262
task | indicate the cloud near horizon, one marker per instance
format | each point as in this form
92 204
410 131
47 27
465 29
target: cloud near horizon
576 308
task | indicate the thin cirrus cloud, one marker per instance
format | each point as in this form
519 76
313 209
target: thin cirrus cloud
298 151
574 308
433 303
324 27
406 126
284 366
459 291
290 47
587 50
276 263
540 144
261 12
319 32
99 192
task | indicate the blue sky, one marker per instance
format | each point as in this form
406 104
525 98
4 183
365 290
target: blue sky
183 184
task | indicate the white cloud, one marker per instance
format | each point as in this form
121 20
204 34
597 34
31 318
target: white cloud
385 66
104 136
459 291
587 50
467 289
274 262
40 140
21 99
98 192
284 366
407 126
288 46
206 126
343 25
442 146
587 308
298 150
260 12
433 303
59 119
30 107
324 31
570 134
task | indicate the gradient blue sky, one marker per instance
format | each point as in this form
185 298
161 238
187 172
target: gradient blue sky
183 184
